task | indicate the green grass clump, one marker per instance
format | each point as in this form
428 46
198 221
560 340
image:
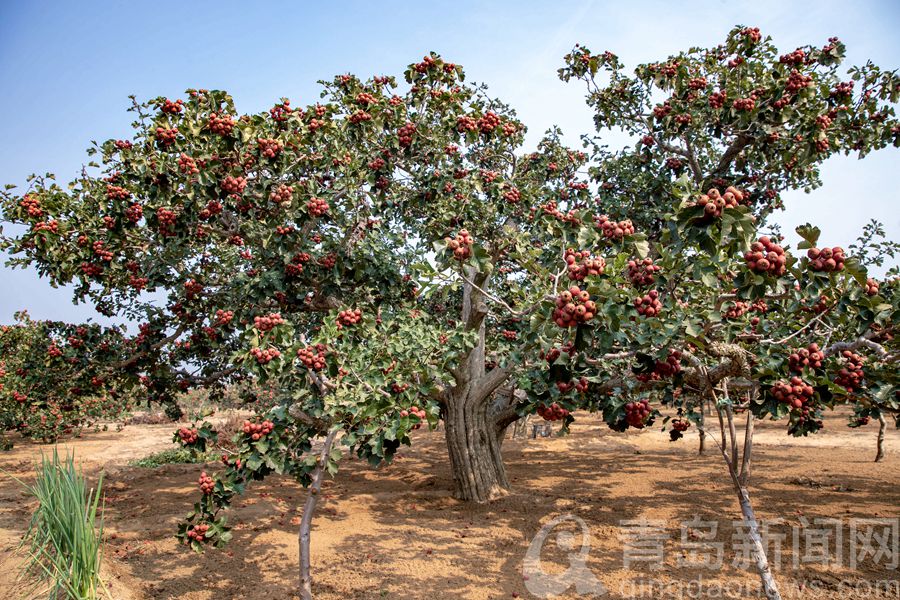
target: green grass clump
64 536
173 456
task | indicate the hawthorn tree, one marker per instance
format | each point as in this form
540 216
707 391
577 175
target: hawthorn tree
316 246
54 380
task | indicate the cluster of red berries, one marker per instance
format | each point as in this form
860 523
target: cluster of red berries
268 148
234 185
580 264
266 356
554 353
636 413
312 357
509 334
192 288
101 252
744 104
717 100
172 108
414 411
488 122
53 351
281 194
850 376
871 287
198 532
187 165
166 137
680 425
751 33
826 259
697 83
461 245
797 81
648 305
512 195
280 112
188 436
51 226
581 385
663 369
714 203
797 57
359 116
466 123
405 134
317 206
221 125
736 310
206 483
554 412
269 322
295 267
224 317
660 111
573 306
614 230
123 144
811 357
115 192
349 317
642 272
795 393
213 207
258 430
765 256
91 270
32 206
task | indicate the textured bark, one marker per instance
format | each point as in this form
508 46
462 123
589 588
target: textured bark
475 460
470 426
882 425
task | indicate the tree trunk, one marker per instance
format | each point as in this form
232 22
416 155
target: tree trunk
882 425
475 460
309 509
702 447
770 588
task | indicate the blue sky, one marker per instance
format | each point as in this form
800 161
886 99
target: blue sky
67 69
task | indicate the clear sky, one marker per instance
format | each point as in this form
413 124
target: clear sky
67 68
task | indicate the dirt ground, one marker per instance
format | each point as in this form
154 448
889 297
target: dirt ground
396 532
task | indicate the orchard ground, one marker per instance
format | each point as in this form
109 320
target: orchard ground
397 533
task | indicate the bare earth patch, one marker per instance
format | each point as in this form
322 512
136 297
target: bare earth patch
396 532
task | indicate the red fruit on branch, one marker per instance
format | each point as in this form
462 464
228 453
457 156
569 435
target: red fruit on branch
573 306
221 125
188 436
810 357
796 393
266 356
637 413
349 317
642 272
581 265
234 185
317 206
648 305
613 230
206 483
827 260
714 203
554 412
851 375
268 322
312 357
166 137
281 194
461 245
871 287
172 108
766 257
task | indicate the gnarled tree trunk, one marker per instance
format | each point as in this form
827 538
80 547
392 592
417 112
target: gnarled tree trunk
471 427
475 460
882 425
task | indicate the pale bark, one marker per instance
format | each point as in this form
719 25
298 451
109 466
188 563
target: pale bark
309 509
882 425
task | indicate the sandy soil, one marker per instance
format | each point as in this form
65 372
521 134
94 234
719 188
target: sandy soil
397 533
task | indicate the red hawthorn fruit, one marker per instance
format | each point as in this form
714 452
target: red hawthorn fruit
766 257
636 413
827 260
851 375
573 306
811 357
648 305
460 245
613 230
642 272
581 265
554 412
349 317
